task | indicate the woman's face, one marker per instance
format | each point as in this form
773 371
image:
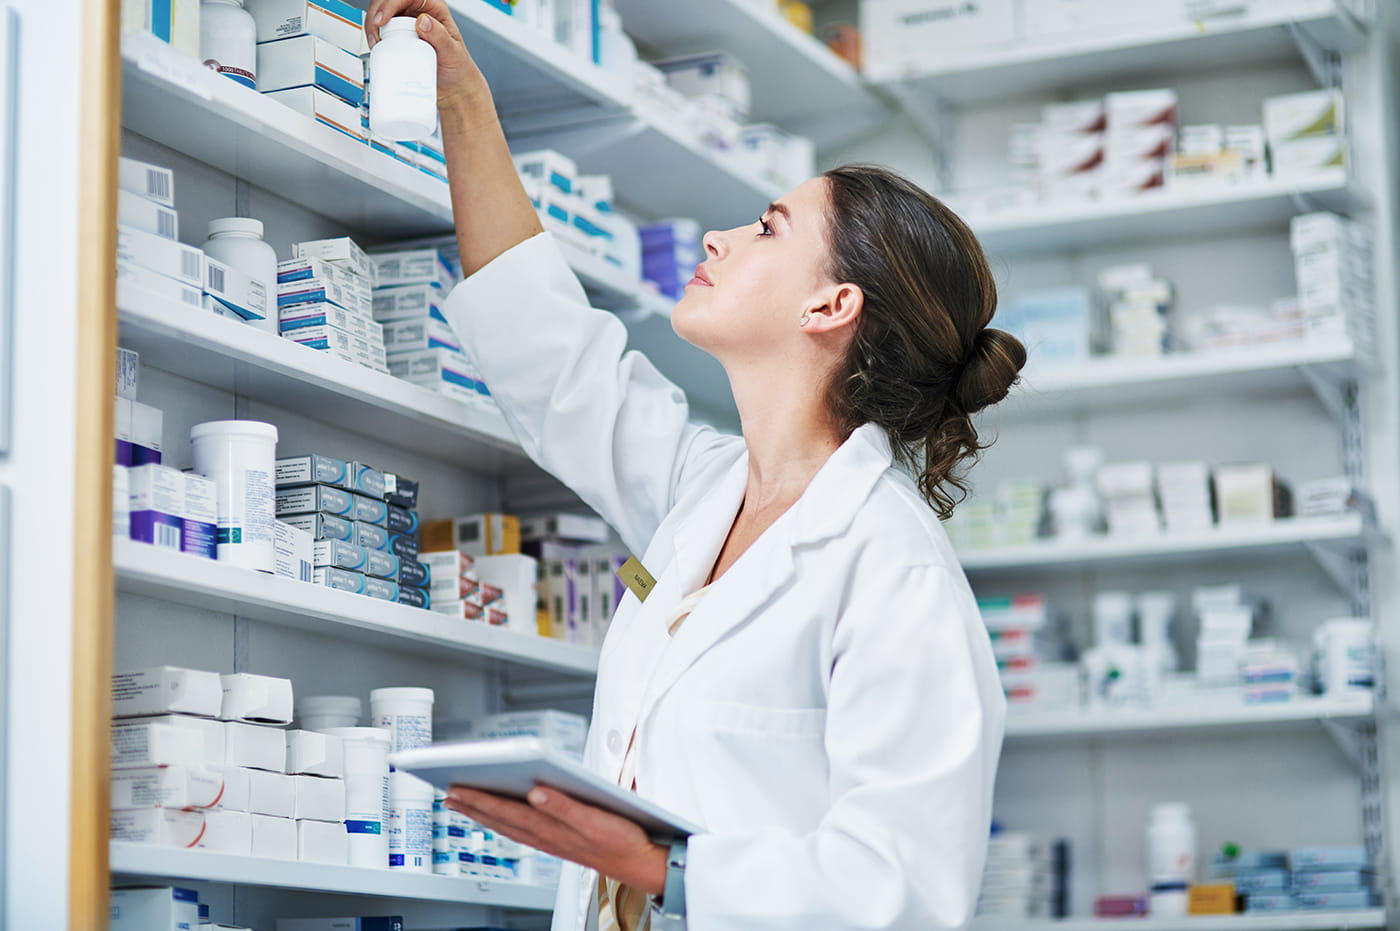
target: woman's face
748 295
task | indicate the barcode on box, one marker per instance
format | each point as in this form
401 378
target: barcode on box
157 185
216 279
167 537
189 265
165 224
192 297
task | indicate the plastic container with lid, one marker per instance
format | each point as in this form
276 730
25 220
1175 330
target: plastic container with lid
228 40
410 824
406 713
240 456
238 242
366 794
1171 846
320 712
1346 655
403 83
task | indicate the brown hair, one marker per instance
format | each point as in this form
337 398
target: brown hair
923 359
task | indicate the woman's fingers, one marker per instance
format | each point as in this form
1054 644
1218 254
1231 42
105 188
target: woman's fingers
381 11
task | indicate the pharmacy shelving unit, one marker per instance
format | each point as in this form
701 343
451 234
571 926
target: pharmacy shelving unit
1084 773
1273 921
797 82
1260 33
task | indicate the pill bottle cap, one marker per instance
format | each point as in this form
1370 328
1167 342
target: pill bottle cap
407 24
246 226
331 704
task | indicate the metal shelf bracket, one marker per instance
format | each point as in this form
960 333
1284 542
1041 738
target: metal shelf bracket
1325 64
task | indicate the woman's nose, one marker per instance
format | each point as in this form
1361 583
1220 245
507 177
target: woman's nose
714 243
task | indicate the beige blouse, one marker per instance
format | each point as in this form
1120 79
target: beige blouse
621 907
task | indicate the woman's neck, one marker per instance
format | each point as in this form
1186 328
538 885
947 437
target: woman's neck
790 436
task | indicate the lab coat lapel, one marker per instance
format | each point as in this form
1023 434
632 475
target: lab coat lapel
825 510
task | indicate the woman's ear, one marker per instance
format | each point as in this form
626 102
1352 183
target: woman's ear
835 308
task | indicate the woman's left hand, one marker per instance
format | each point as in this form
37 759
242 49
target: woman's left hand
567 828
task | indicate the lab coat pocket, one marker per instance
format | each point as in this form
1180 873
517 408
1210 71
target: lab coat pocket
740 719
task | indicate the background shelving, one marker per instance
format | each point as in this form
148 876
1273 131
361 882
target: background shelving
1285 921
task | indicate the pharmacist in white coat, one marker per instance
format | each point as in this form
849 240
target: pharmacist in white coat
809 679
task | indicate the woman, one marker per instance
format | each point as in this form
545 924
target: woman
809 679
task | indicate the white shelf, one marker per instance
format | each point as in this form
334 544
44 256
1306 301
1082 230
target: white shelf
148 862
211 586
1195 212
1284 533
1270 921
1061 62
798 83
227 354
1124 382
1301 710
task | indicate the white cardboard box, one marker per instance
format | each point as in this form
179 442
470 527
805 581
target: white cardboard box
165 787
149 181
322 842
902 34
147 744
166 689
237 788
169 257
315 754
138 213
255 746
338 23
210 730
318 798
271 793
256 699
306 61
274 838
228 832
162 908
165 827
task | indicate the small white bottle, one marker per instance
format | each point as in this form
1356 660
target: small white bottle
403 78
237 241
228 40
1171 858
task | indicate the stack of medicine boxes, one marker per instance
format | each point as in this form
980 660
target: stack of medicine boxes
153 503
325 301
363 543
578 210
154 266
1012 624
161 908
309 59
1319 878
1332 259
204 760
422 347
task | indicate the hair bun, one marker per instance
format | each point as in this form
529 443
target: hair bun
991 370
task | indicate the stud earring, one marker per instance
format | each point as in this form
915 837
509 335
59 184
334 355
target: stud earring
806 319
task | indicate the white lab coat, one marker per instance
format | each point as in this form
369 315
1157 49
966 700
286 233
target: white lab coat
831 712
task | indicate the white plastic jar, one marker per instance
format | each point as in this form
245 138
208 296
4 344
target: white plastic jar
320 712
1171 858
228 40
1346 655
406 713
238 242
240 456
403 83
410 824
366 794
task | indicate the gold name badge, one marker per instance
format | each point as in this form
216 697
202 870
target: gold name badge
637 579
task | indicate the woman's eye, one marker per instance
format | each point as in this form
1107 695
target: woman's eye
767 227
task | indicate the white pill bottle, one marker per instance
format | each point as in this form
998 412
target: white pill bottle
406 713
366 794
238 242
410 823
241 458
228 40
403 83
1171 858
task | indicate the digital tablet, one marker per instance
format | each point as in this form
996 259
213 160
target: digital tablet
515 765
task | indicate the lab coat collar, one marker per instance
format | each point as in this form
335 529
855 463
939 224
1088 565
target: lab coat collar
826 509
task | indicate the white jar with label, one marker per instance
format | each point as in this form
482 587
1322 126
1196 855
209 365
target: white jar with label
367 794
1171 859
403 83
238 242
240 456
410 823
406 713
228 40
